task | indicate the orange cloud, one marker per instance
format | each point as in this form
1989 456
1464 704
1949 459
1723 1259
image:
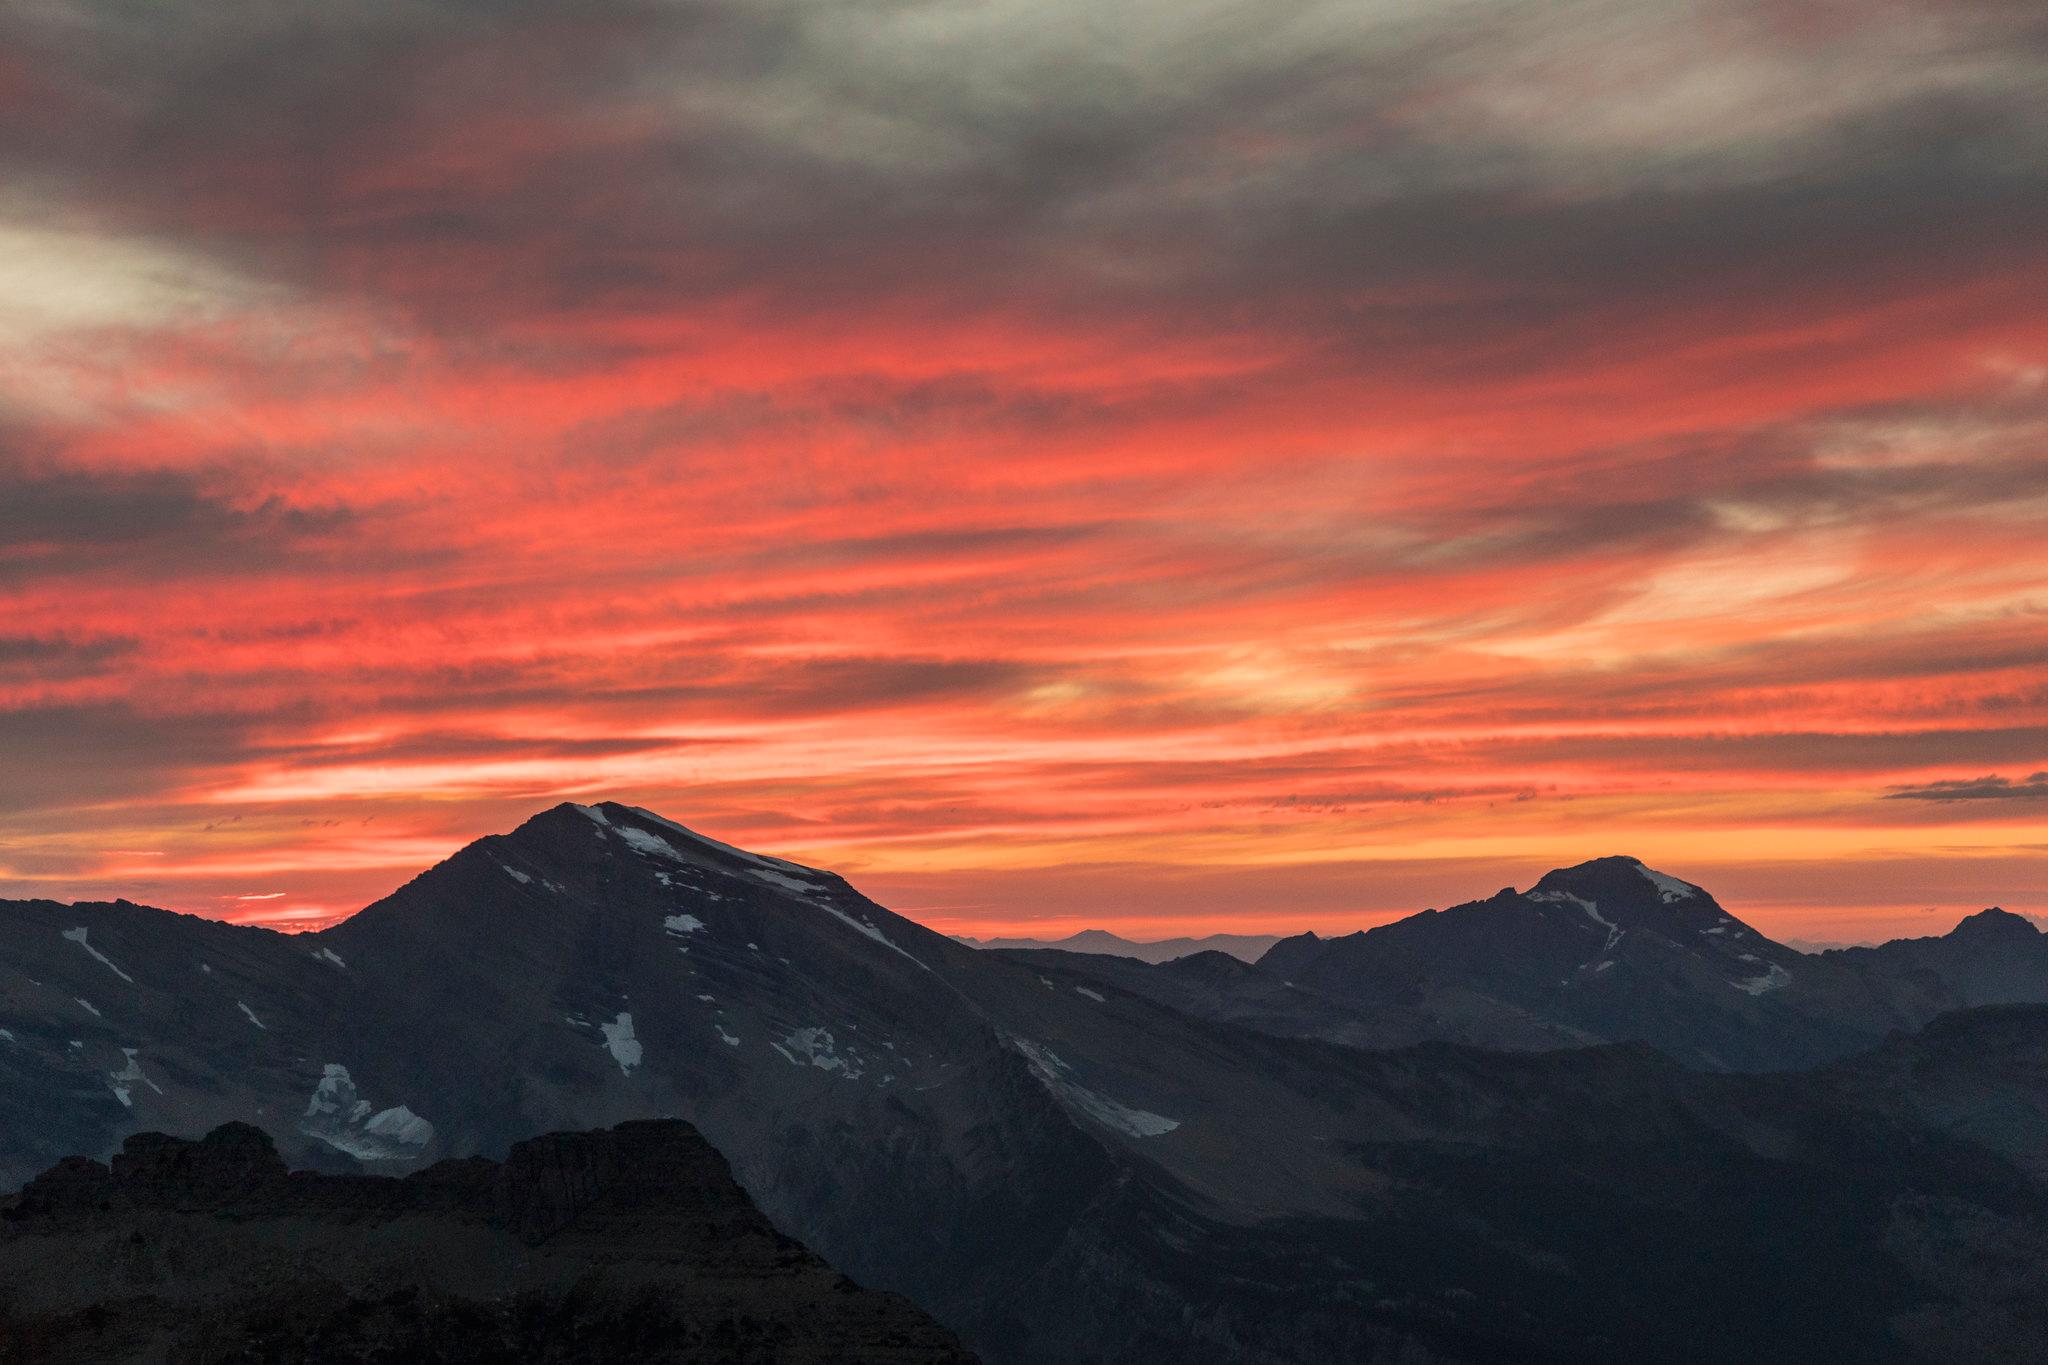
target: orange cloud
1269 500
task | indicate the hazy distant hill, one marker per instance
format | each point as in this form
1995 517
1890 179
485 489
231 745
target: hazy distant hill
1248 947
1075 1157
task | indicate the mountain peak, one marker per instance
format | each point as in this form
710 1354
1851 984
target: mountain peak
1628 882
1996 925
1668 887
578 865
661 837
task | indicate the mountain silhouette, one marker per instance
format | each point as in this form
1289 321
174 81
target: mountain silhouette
1072 1157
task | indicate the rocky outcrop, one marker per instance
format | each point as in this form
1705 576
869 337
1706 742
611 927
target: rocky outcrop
630 1243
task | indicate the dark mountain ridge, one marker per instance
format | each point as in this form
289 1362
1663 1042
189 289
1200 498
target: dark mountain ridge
1248 947
1613 951
1053 1159
627 1243
1993 957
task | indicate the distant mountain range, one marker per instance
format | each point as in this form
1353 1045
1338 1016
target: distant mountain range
1599 1120
1609 951
1247 947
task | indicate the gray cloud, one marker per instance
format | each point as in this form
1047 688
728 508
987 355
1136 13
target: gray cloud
1384 174
57 520
57 651
54 758
2033 787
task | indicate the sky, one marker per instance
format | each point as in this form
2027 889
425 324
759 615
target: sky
1170 465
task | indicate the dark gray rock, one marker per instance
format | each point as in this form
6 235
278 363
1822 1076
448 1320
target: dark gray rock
625 1244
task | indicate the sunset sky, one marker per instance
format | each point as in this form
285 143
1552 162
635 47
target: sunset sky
1161 464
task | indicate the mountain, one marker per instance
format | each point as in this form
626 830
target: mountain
1222 989
1248 947
1613 951
934 1120
629 1243
1061 1166
1993 957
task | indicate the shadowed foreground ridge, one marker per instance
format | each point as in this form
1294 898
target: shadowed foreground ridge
626 1243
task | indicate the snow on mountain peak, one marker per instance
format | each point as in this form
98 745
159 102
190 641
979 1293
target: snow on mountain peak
649 843
758 859
685 847
1669 888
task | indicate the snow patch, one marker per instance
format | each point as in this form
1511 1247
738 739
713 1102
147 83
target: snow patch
340 1117
400 1125
328 955
728 1039
785 881
620 1042
758 859
515 874
683 924
78 936
1592 912
868 929
593 812
1774 979
816 1047
335 1096
122 1082
859 926
1083 990
252 1015
1052 1073
6 1036
1669 888
87 1006
1613 929
651 844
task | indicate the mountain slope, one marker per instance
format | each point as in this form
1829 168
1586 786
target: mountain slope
1222 989
628 1243
632 967
1993 957
117 1016
1053 1157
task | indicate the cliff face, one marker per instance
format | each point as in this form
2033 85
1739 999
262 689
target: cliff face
626 1243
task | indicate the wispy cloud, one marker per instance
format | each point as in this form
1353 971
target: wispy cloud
2030 788
969 443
